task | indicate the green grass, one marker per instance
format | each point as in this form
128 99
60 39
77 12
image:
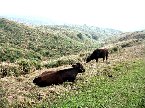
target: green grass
125 89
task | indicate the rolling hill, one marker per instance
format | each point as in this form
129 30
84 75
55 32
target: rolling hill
116 83
38 42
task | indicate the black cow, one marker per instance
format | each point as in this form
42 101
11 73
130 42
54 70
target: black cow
58 77
98 53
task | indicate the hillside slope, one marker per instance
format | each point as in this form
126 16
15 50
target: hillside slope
30 42
95 85
119 82
125 39
132 35
83 31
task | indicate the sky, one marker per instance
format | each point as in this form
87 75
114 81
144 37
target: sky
124 15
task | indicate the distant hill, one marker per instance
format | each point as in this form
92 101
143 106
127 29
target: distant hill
127 39
132 35
82 31
93 32
96 32
25 41
18 40
137 35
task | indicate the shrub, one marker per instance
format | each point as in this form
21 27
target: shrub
13 54
125 45
79 35
28 66
114 49
9 69
9 54
59 62
23 66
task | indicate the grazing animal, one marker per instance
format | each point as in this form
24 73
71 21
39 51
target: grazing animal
58 77
98 53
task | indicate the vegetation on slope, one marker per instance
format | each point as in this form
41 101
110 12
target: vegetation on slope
28 46
83 32
120 83
117 84
32 43
127 36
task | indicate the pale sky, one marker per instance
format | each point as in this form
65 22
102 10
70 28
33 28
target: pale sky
125 15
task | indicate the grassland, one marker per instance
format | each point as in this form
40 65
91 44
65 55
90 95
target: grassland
19 41
119 83
125 88
28 47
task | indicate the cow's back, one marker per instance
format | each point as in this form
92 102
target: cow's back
52 78
103 52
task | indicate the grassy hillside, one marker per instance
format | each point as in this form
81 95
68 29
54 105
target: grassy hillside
137 35
21 41
83 32
29 51
28 46
127 39
132 35
31 48
120 83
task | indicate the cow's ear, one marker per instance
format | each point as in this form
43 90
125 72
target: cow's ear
78 64
73 66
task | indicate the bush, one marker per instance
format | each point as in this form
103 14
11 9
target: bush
24 66
79 35
125 45
28 66
114 49
13 54
59 62
9 70
10 54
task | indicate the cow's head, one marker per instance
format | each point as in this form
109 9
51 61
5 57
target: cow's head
79 67
88 59
37 80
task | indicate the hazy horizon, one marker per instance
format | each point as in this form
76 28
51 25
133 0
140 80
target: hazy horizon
124 15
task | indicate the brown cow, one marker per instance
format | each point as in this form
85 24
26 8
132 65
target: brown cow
58 77
98 53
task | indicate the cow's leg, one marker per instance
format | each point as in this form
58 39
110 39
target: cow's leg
71 79
103 59
106 57
97 60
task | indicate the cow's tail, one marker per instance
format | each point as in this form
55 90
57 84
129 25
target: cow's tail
107 55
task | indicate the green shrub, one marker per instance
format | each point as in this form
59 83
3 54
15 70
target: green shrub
9 54
114 49
9 70
79 35
23 66
60 62
26 66
13 54
125 45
